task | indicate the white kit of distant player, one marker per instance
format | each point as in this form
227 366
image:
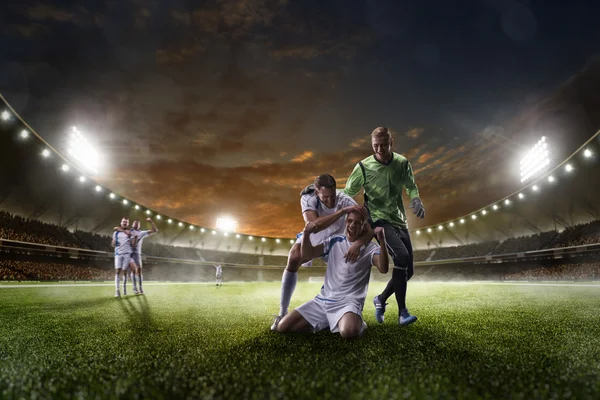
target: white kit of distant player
219 274
137 239
121 241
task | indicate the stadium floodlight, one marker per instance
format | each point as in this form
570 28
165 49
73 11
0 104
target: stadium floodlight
214 232
137 207
237 235
462 220
148 212
495 207
98 188
535 160
226 224
225 234
429 230
46 153
158 217
507 201
418 232
24 134
292 241
521 196
250 238
440 227
483 212
587 153
82 152
191 227
277 240
82 179
451 224
568 168
202 230
534 188
112 195
473 217
5 115
170 221
65 167
125 201
550 179
180 224
263 240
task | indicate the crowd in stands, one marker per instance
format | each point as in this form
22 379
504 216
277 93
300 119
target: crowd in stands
48 271
27 230
571 272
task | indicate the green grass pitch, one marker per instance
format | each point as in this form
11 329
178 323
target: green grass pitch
199 341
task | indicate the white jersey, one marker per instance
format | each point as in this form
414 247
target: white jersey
311 202
141 235
122 243
219 270
346 280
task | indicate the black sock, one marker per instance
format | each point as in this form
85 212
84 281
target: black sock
387 292
399 279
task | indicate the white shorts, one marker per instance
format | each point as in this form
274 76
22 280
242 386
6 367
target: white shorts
122 261
218 276
315 238
322 314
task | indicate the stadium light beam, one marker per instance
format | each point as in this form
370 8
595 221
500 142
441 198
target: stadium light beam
82 179
535 160
5 115
226 224
65 167
214 232
46 153
587 153
82 152
550 179
24 134
568 168
535 188
521 196
112 195
137 207
98 188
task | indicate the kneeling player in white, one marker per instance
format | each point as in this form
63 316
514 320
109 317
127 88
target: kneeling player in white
339 305
323 205
121 243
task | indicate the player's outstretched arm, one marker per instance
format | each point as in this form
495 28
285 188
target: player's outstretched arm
154 228
307 250
381 260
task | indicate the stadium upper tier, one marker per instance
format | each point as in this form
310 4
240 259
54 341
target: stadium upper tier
33 184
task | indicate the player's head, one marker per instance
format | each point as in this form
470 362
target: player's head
325 189
382 142
355 223
124 222
135 224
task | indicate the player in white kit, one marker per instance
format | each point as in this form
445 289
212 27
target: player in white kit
219 274
137 238
121 241
340 303
323 205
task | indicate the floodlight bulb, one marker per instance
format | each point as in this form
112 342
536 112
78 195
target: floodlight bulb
263 239
82 179
169 220
180 224
46 153
418 232
24 134
112 196
507 201
473 216
202 230
292 241
495 206
587 153
65 167
277 240
568 167
462 220
440 227
98 188
158 217
451 224
521 196
250 238
550 178
534 188
483 212
214 232
5 115
429 230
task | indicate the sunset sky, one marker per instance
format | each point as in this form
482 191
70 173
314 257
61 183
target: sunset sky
233 106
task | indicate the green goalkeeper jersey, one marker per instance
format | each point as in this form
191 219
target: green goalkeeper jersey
383 187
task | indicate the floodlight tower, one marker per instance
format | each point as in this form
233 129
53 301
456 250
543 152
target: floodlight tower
536 160
226 224
81 152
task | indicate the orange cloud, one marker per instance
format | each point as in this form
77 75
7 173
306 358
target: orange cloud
414 133
307 155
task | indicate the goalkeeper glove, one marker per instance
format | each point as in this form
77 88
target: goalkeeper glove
417 206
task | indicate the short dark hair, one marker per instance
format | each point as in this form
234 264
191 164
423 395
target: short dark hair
127 218
324 181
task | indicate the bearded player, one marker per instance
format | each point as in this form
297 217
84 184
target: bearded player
322 205
340 303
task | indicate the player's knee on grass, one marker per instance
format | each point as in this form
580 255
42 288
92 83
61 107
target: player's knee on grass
350 325
292 323
294 259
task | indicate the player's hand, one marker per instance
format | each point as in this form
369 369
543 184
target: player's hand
353 253
379 233
349 209
310 227
417 206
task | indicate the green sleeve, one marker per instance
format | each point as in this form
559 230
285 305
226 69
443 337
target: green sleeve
355 182
409 182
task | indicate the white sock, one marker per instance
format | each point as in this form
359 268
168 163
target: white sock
288 284
117 280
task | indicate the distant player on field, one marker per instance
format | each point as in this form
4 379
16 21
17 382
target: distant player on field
339 305
137 239
121 243
323 205
219 274
383 175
